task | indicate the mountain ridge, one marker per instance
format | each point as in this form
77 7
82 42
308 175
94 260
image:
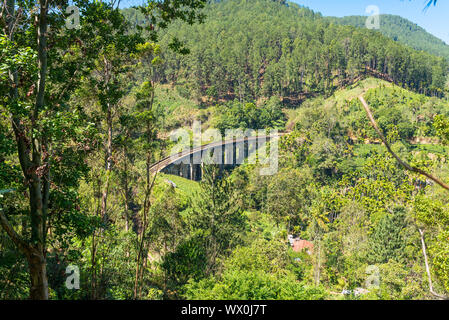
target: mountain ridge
402 30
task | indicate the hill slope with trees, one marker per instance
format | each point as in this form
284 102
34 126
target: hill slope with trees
401 30
257 48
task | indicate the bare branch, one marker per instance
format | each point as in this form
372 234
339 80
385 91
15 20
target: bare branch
401 162
429 277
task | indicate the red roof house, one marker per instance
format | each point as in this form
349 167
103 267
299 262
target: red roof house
299 245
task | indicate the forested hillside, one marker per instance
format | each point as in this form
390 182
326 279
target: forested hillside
255 49
401 30
357 208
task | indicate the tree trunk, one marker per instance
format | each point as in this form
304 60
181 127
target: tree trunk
126 190
146 207
318 269
108 164
35 173
38 276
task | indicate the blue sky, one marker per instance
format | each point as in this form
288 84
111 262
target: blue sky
435 19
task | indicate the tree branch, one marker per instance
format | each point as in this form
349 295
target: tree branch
413 169
429 277
18 241
401 162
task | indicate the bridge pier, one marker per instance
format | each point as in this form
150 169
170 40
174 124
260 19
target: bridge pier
185 170
245 148
222 160
231 154
196 172
234 153
227 154
251 147
191 177
202 169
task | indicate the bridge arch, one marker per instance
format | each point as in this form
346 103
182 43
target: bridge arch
226 153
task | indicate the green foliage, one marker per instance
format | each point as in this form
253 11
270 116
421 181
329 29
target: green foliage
257 272
440 253
255 285
215 213
235 115
387 240
187 262
288 197
266 48
112 93
441 125
57 85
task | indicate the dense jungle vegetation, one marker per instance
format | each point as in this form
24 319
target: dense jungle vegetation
86 111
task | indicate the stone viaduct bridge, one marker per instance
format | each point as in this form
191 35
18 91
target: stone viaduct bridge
226 153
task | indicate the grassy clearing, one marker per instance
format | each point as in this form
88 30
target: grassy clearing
339 98
188 187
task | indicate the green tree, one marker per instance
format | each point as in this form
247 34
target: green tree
387 241
222 222
45 64
257 272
